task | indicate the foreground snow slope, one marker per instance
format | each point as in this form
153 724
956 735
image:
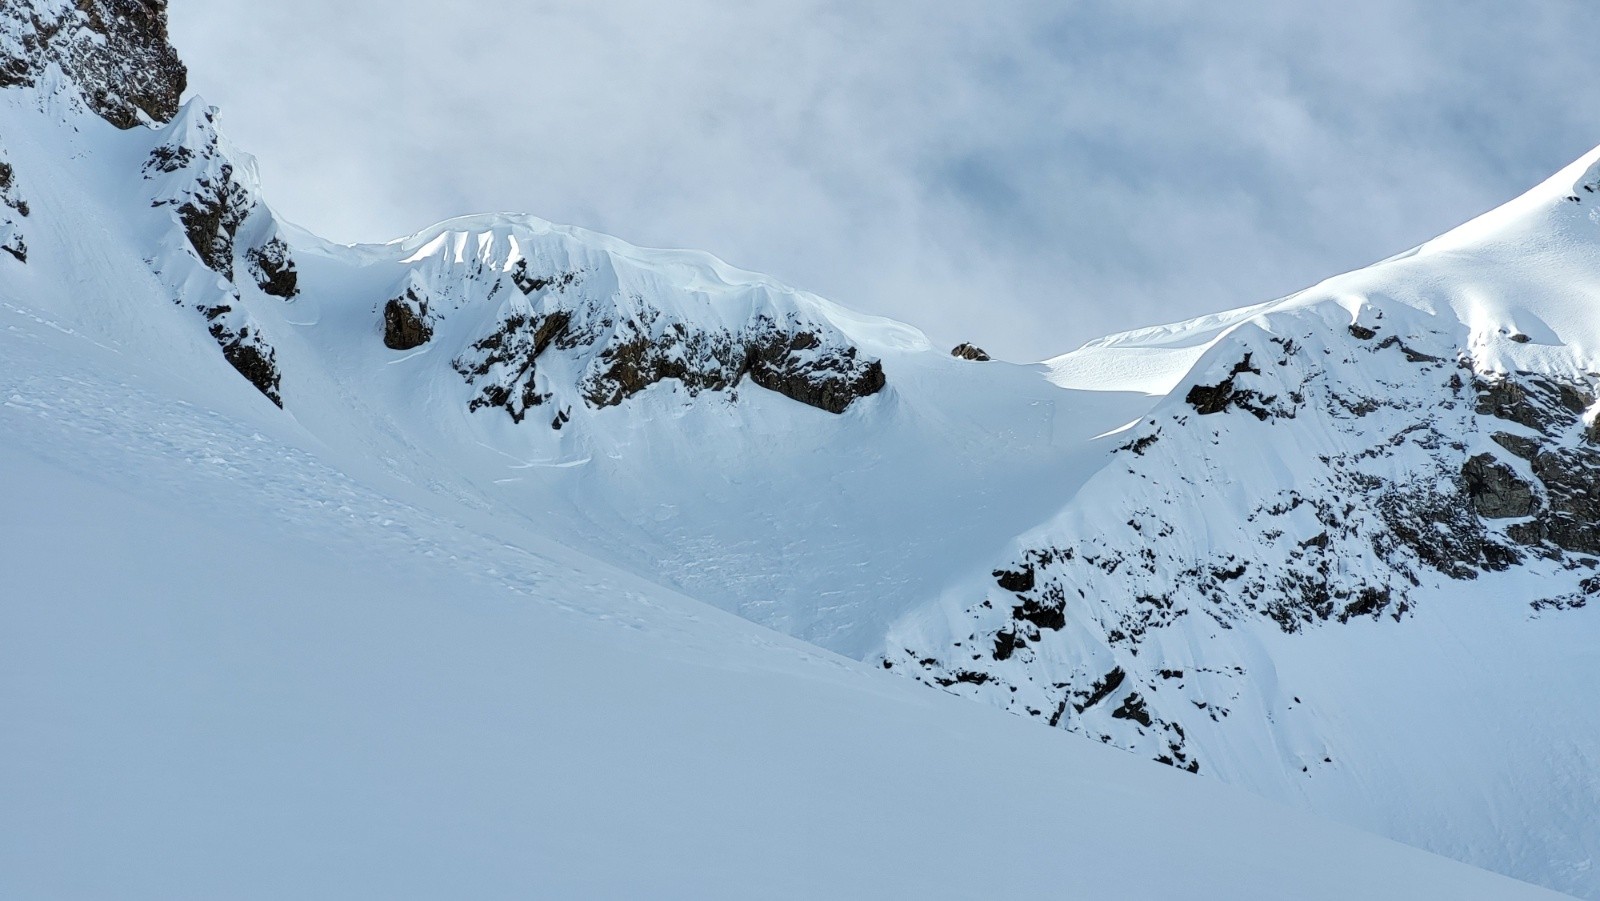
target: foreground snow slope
230 670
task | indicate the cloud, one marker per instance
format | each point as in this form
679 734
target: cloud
1027 175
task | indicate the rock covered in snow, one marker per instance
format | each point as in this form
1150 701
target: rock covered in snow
603 318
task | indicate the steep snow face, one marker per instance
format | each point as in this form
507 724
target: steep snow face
1392 475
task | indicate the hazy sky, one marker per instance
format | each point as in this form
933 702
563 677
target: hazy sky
1025 175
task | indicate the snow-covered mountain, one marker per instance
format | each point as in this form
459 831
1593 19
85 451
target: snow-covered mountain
1334 549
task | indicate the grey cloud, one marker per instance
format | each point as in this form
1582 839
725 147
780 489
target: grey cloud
1027 175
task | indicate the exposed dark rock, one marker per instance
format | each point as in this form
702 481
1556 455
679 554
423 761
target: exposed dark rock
1404 496
1412 356
967 677
1133 708
11 237
211 225
1571 478
116 53
1362 332
970 352
1015 580
699 361
197 181
628 357
505 362
1522 447
1047 615
406 323
532 284
258 364
1228 575
1439 528
797 368
1101 689
168 158
1495 489
8 189
211 208
1006 642
1370 602
1541 404
1209 399
246 351
1141 444
1568 470
1588 590
274 269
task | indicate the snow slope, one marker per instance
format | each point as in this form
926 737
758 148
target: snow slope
229 669
1336 549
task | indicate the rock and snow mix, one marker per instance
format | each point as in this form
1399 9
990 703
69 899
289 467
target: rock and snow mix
1337 549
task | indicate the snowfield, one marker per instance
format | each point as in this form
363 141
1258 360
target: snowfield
510 559
228 669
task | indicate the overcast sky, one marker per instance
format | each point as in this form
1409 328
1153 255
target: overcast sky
1025 175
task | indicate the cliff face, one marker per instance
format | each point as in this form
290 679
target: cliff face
610 329
115 52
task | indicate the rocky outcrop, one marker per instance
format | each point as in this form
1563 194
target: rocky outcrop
798 366
1558 445
274 270
194 178
529 283
1495 490
209 202
406 321
13 209
503 365
115 52
245 350
1226 394
1402 466
787 358
969 352
618 355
